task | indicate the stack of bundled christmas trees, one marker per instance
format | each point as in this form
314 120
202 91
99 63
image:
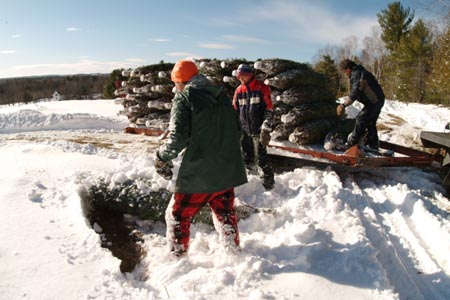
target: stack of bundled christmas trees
146 95
147 92
305 109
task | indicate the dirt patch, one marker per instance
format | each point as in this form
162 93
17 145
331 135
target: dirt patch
121 238
391 122
384 127
395 120
116 141
96 143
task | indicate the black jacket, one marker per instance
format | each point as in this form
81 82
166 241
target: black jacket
364 87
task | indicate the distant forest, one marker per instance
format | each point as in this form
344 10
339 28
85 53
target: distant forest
409 57
29 89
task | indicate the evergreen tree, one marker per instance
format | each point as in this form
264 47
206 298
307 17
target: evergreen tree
439 80
327 66
395 23
27 96
414 57
110 85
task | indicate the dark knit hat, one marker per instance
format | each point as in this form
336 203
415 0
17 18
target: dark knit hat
244 70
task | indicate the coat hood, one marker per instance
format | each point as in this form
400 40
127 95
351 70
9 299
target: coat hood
201 85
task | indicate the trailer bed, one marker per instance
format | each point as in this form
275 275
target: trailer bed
408 156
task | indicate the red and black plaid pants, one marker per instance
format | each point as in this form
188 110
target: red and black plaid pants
183 207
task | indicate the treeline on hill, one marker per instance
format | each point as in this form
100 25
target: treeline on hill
410 58
28 89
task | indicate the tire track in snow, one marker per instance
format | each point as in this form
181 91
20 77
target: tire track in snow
401 250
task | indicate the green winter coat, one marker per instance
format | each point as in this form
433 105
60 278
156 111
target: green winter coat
203 122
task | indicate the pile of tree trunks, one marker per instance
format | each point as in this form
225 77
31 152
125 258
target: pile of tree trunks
305 108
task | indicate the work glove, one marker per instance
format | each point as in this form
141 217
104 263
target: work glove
264 137
163 168
340 109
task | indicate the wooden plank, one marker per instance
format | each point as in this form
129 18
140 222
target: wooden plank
145 131
404 150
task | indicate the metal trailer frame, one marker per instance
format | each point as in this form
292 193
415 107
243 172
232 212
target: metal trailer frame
439 140
353 157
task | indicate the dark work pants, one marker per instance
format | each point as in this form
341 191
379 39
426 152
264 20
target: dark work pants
366 122
261 159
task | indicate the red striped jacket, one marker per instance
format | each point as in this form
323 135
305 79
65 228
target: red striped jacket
254 103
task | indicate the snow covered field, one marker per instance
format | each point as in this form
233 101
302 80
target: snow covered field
378 235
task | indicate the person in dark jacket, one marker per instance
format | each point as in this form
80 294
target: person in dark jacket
365 89
253 101
205 125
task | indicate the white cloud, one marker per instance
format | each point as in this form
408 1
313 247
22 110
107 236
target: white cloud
159 40
243 39
312 22
216 46
16 36
82 66
7 51
72 29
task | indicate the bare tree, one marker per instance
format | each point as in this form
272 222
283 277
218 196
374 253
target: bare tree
349 48
437 7
374 52
329 50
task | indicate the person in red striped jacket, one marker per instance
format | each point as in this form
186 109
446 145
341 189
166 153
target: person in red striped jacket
253 101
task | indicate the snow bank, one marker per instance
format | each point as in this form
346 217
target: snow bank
49 116
380 234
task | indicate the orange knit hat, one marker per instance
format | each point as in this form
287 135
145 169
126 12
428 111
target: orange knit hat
183 71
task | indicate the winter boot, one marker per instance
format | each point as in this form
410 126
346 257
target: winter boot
267 179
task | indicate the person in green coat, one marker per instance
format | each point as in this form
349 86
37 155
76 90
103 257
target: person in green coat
204 124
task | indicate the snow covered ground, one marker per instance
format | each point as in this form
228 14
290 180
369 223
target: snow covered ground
383 234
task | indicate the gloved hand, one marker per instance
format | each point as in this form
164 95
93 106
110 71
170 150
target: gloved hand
264 137
163 168
340 109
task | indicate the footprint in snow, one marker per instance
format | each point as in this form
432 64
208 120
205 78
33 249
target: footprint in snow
35 195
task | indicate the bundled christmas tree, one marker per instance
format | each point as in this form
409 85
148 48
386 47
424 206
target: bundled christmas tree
137 198
146 95
305 108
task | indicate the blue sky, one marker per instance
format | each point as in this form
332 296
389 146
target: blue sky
40 37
